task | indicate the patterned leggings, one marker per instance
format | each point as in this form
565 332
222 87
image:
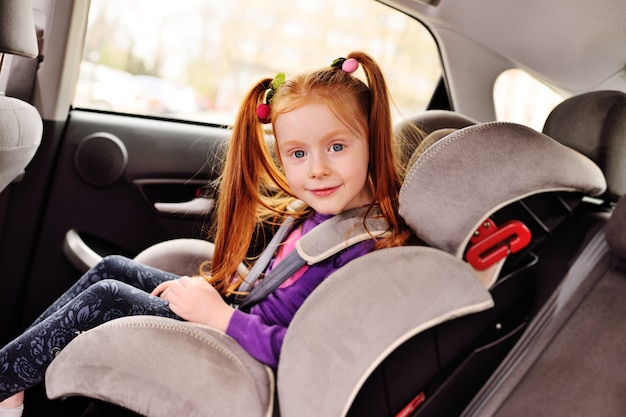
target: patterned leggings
114 288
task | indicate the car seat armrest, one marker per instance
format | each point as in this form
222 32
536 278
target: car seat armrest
360 314
180 256
161 367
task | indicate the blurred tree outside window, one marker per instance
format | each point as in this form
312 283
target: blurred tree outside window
195 59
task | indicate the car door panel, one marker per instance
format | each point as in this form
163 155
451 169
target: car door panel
110 202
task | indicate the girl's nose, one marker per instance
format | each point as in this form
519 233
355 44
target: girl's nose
319 167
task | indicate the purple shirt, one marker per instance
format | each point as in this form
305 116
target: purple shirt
261 332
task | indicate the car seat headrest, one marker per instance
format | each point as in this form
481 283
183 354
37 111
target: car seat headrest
413 131
431 120
17 29
427 142
595 124
465 177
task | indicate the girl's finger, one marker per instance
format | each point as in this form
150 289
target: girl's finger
159 289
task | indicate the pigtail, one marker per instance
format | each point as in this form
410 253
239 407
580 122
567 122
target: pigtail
382 165
249 173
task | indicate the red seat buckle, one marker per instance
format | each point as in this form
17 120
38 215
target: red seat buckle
491 243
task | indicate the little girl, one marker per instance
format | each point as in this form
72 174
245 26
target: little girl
333 152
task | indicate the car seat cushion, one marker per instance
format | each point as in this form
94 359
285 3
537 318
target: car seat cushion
499 163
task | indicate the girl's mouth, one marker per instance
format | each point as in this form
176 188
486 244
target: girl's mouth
323 192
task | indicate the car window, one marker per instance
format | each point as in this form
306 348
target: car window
195 59
521 98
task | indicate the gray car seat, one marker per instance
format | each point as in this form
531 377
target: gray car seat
359 317
595 124
20 124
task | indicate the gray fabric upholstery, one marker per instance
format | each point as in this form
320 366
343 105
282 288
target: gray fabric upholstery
468 175
431 120
179 256
17 28
20 134
595 125
361 313
340 231
161 367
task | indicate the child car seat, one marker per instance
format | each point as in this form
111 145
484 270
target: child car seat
361 315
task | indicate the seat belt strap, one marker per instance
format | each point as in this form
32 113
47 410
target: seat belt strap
285 268
266 256
321 242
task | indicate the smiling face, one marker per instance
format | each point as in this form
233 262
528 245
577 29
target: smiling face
325 162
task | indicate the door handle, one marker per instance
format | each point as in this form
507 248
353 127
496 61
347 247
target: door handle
197 206
80 255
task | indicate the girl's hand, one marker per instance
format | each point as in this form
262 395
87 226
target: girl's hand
161 289
195 300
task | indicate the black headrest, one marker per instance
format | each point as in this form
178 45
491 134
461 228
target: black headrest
595 125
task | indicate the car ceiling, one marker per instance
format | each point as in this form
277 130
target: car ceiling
572 45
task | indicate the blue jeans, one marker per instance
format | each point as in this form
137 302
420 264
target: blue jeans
115 287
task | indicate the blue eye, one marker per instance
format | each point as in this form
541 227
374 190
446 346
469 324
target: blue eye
298 154
336 147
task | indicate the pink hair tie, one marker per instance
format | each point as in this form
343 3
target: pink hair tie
348 65
263 111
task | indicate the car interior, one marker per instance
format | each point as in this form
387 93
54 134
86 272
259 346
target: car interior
511 306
